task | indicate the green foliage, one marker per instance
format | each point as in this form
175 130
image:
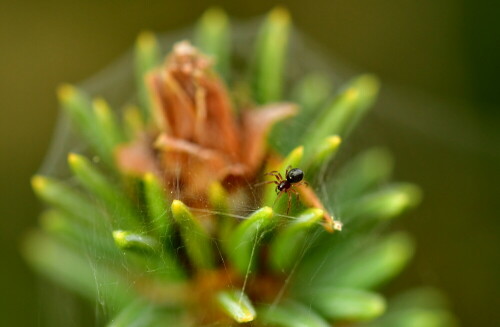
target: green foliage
69 268
157 203
344 112
237 305
194 236
213 38
291 314
346 304
151 260
111 197
147 57
291 241
270 54
246 239
142 313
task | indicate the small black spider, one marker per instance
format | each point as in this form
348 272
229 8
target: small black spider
294 178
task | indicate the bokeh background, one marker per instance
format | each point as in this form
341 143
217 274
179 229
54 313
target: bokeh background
438 60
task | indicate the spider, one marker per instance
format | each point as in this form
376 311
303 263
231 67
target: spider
294 178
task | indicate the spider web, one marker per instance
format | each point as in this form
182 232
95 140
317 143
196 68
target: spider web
116 84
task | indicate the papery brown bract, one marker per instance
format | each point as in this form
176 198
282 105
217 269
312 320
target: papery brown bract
197 138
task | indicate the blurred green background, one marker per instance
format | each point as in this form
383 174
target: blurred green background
438 58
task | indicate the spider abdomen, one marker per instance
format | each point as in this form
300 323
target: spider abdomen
295 175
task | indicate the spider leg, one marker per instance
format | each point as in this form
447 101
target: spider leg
275 174
302 183
289 202
279 195
266 182
288 169
297 194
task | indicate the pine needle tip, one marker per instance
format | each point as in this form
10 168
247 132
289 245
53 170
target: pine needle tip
38 182
280 14
65 92
178 207
215 15
73 158
334 140
149 177
146 39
